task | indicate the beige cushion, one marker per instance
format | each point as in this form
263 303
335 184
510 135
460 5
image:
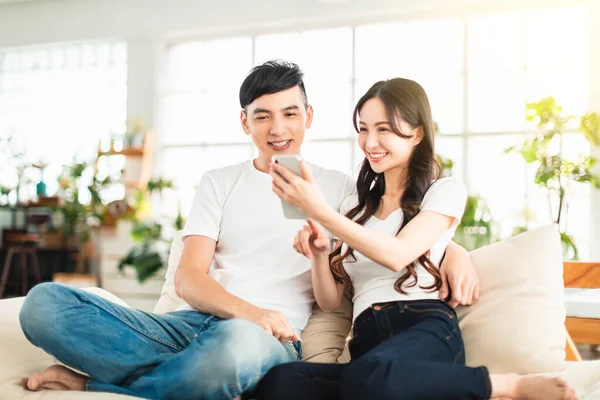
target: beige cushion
325 335
518 323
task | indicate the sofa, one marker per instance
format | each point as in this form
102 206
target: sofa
516 326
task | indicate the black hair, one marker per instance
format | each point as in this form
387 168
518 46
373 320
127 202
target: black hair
271 77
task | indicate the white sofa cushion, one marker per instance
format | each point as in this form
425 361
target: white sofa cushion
169 301
518 323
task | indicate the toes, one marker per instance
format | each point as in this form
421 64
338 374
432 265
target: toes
53 386
560 383
24 382
33 382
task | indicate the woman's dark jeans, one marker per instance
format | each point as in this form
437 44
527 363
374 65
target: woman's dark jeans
400 350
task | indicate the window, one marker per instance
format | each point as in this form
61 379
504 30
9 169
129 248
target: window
478 82
58 102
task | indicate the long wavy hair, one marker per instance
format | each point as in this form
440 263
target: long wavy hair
404 100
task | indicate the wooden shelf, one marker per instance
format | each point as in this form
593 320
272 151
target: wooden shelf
125 152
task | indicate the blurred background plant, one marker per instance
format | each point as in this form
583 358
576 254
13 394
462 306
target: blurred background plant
556 174
153 236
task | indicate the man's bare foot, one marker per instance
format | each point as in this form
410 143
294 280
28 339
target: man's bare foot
55 377
541 388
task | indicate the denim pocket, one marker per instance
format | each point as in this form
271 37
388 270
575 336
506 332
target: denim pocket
419 310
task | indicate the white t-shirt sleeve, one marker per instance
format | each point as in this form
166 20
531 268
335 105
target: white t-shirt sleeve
447 196
348 190
205 215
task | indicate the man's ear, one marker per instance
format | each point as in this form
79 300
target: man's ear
244 122
309 115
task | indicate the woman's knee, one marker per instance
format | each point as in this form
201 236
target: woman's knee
283 381
365 379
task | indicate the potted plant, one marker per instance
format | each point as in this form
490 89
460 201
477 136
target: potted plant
150 254
556 174
475 228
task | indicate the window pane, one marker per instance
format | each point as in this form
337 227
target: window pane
200 103
451 148
446 97
195 66
323 53
186 165
497 101
332 155
488 49
425 44
499 178
58 102
434 43
374 58
332 105
568 85
558 36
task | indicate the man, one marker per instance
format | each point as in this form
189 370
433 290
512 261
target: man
244 315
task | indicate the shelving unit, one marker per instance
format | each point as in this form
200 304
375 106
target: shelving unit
115 236
138 162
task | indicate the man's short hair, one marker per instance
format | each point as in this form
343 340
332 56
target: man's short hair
271 77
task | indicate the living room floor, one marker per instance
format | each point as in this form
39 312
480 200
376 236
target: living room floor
588 352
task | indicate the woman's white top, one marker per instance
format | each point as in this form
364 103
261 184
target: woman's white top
374 283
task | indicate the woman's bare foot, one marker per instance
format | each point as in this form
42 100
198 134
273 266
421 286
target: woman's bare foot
539 387
55 377
518 387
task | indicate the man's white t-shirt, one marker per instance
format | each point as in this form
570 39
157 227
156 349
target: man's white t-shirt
254 258
374 283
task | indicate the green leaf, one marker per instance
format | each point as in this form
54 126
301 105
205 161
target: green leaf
568 243
590 125
145 259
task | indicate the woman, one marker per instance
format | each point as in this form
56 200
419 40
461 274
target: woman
406 343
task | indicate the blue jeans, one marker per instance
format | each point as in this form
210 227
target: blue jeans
400 350
179 355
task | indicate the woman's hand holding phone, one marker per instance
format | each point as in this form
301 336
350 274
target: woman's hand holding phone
300 192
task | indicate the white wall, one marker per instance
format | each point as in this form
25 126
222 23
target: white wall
54 21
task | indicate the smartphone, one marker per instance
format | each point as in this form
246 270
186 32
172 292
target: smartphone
292 163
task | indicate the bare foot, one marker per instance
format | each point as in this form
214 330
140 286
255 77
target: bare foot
541 388
55 377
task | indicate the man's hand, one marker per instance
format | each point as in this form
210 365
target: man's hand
459 278
273 322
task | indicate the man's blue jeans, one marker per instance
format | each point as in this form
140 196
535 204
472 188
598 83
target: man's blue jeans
179 355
